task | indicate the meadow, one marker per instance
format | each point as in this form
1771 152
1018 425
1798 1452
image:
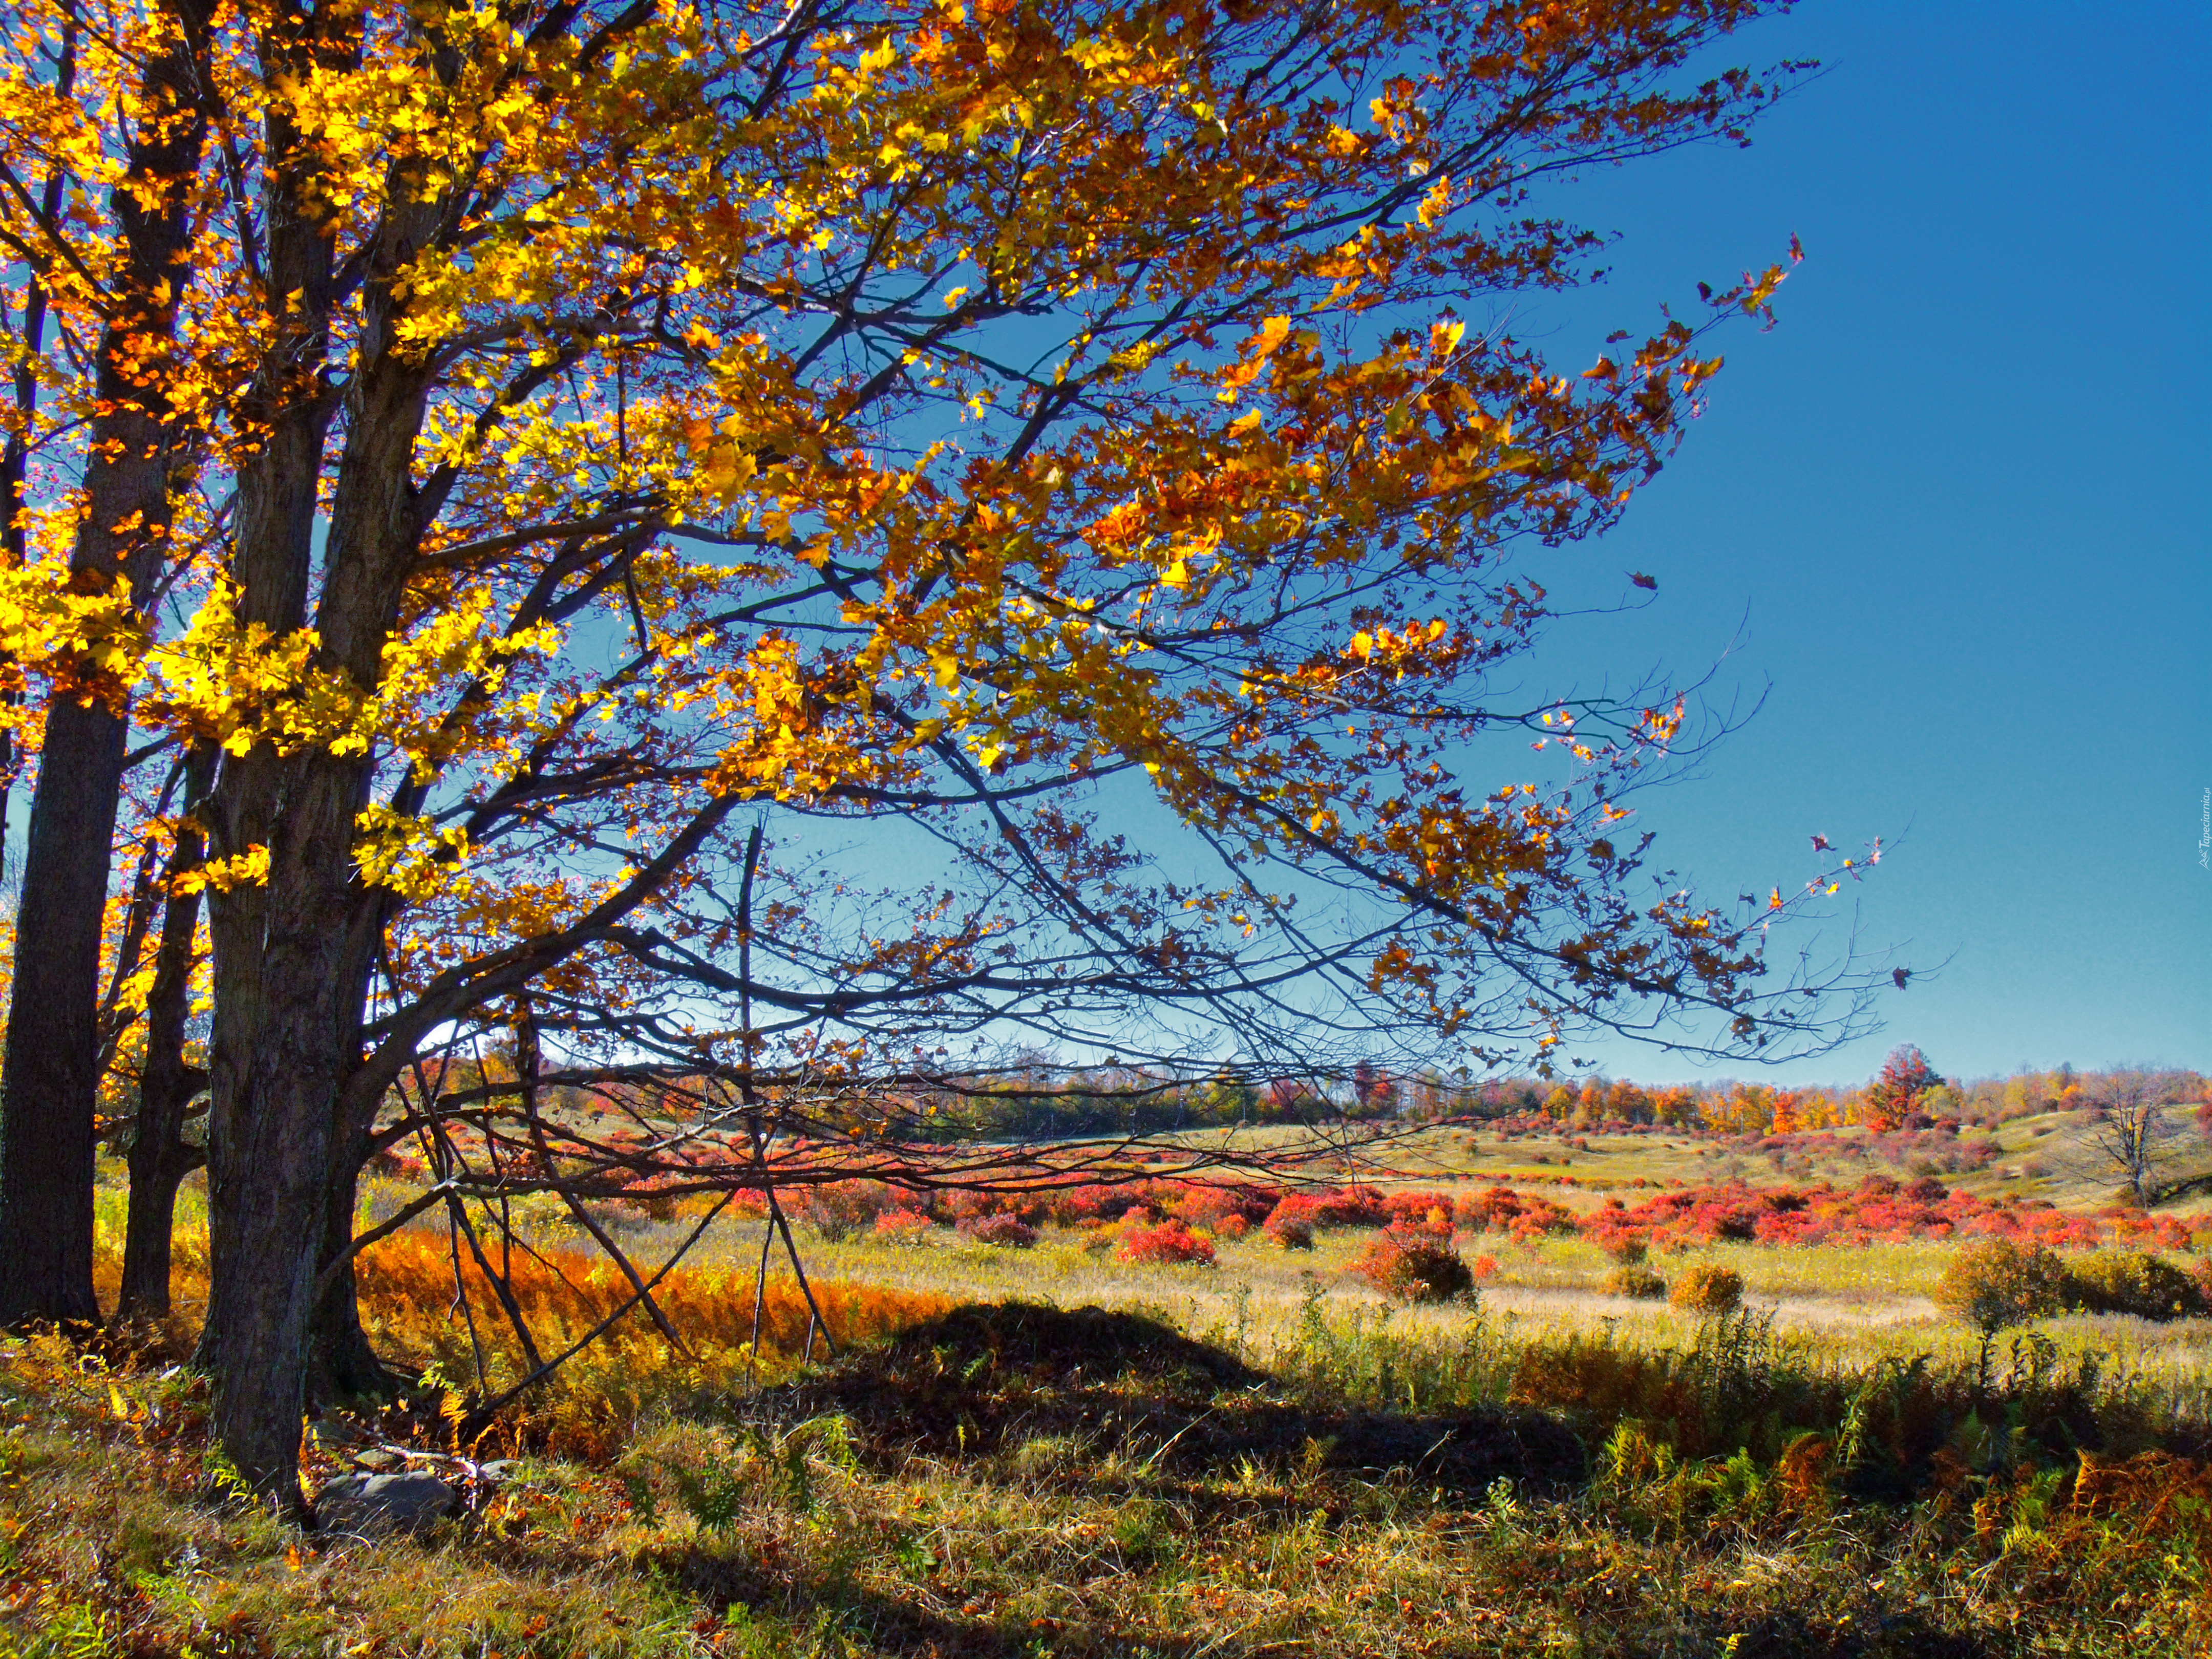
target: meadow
1032 1444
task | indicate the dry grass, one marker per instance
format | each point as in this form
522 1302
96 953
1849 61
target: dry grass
1554 1470
1371 1489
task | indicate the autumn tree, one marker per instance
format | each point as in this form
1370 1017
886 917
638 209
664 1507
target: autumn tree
1897 1089
673 462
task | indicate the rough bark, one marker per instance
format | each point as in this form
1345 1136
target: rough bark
271 1051
160 1156
291 957
342 1362
50 1076
279 1055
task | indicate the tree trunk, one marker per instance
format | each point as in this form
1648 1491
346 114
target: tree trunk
273 1056
160 1156
292 956
342 1362
15 455
50 1076
282 1048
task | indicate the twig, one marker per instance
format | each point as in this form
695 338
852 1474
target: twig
479 1419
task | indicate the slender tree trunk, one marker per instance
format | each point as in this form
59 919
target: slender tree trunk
343 1364
15 455
50 1076
160 1156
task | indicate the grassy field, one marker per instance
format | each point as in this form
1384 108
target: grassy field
1051 1452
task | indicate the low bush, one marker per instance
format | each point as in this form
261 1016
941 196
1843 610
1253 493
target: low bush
1879 1210
1706 1289
1415 1264
1218 1209
2133 1282
903 1227
843 1208
1500 1209
1291 1232
1008 1232
1418 1206
1168 1242
2000 1282
1351 1207
1633 1278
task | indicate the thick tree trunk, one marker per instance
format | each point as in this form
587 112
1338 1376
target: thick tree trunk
281 1049
50 1076
291 957
160 1156
274 1052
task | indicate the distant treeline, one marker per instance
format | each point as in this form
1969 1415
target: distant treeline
1907 1093
1058 1103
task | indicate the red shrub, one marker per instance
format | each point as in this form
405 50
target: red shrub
1213 1208
1879 1209
1170 1242
970 1203
1417 1264
1290 1232
903 1227
1502 1210
1072 1206
1351 1207
1416 1207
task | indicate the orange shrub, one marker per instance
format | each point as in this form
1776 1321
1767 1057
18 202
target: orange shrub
1417 1264
1705 1289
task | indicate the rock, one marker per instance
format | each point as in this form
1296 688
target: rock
378 1463
498 1471
378 1505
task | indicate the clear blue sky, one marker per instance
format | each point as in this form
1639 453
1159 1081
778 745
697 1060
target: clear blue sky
1957 499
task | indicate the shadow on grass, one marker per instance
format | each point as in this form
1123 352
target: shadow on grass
982 1379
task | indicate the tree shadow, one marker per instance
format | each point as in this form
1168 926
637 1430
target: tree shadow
983 1378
